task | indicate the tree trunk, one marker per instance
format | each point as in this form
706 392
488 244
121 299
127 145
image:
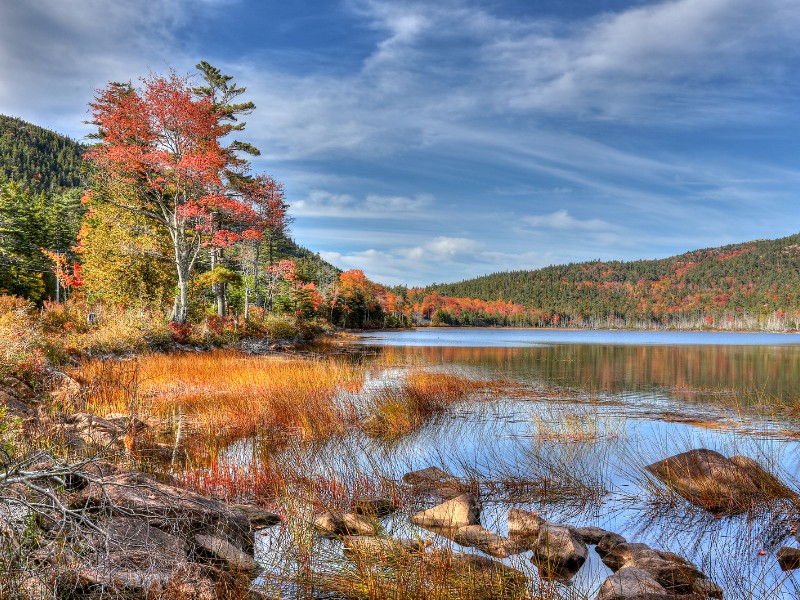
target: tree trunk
246 304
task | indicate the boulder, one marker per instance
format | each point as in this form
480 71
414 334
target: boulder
64 390
337 522
631 583
167 507
770 486
476 536
434 481
558 551
789 558
523 524
591 535
216 550
17 388
674 573
132 559
709 480
461 511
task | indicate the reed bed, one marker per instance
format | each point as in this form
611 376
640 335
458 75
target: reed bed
224 395
400 410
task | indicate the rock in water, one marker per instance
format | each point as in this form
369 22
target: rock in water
709 480
523 524
672 572
476 536
461 511
558 552
631 583
789 558
434 481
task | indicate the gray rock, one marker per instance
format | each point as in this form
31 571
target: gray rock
672 572
93 430
523 524
461 511
631 583
258 517
476 536
558 552
591 535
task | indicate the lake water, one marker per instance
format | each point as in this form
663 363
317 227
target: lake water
586 411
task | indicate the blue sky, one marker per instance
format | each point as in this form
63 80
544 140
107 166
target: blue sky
436 141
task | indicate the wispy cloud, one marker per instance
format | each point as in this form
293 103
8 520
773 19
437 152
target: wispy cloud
320 203
561 219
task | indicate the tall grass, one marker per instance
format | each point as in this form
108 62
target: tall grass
400 410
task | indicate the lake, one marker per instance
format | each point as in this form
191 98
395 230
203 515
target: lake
585 412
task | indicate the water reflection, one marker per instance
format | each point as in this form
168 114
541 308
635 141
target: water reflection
755 370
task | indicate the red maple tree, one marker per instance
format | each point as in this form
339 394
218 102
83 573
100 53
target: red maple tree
161 154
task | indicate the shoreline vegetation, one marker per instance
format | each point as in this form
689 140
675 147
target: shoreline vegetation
128 448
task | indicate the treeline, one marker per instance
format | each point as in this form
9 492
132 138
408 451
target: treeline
88 233
754 285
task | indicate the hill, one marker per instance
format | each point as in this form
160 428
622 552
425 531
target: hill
37 157
743 285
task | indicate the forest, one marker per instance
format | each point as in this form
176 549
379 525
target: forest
752 285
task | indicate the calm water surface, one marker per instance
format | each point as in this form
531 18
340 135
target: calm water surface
638 397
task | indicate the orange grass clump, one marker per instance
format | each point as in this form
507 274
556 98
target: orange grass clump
225 395
400 410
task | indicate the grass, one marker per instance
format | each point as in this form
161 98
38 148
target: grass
221 396
400 410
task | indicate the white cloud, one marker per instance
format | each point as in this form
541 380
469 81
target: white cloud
321 203
561 219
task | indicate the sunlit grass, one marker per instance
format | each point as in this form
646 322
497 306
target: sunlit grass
403 409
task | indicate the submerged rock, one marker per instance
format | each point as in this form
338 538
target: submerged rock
461 511
434 481
373 507
718 484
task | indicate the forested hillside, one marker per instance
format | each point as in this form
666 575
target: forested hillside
736 285
39 158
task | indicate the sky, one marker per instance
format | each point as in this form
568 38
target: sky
436 141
